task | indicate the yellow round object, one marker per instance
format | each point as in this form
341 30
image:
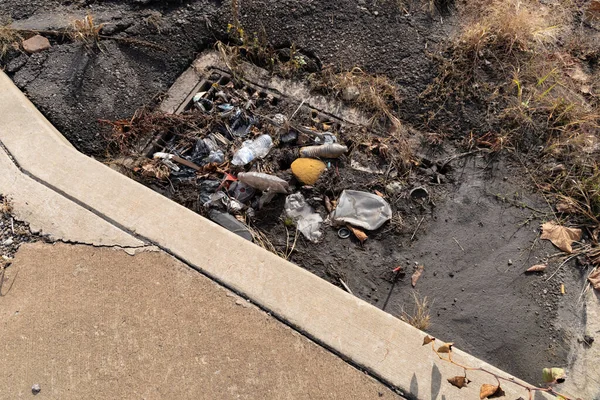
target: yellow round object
308 170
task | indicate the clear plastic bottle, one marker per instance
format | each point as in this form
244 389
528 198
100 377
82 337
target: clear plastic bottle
251 149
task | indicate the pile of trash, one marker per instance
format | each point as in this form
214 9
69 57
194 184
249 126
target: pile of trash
231 161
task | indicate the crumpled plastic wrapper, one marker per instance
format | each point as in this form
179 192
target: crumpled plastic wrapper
362 209
307 220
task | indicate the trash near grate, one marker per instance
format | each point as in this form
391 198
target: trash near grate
240 142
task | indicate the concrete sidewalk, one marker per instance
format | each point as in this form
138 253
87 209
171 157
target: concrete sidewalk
72 312
96 323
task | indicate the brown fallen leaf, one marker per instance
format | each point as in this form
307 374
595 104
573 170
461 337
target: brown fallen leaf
328 205
428 339
594 279
459 381
566 207
561 236
445 348
416 275
488 391
360 235
537 268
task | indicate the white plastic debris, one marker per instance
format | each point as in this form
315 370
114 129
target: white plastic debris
307 220
252 149
362 209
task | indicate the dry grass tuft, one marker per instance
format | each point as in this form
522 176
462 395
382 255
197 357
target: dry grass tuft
9 39
86 31
420 318
5 206
375 94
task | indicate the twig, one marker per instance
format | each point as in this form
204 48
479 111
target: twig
458 244
560 266
498 378
346 286
297 109
12 225
416 229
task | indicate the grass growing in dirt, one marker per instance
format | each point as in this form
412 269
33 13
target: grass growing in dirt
420 317
530 70
9 39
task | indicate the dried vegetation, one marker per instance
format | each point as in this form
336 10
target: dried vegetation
533 68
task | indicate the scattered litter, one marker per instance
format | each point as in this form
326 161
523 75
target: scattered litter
331 150
229 222
416 275
537 268
344 233
307 221
560 236
264 182
366 210
252 149
393 188
177 159
241 191
419 193
360 235
308 170
562 289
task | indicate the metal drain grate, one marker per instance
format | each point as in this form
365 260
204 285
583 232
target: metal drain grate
209 87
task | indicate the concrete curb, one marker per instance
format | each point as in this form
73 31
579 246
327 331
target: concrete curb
370 338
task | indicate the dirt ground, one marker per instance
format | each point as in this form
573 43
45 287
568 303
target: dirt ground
475 238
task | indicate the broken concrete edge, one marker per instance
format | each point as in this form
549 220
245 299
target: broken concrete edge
53 216
360 333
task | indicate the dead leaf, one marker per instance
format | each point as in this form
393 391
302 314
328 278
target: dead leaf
561 236
577 73
459 381
445 348
428 339
378 193
537 268
488 391
328 205
416 275
566 207
594 279
360 235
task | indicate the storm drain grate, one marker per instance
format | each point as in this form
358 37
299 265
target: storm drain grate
208 88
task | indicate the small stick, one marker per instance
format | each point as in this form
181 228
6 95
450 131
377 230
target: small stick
346 286
416 229
12 225
458 244
560 266
297 109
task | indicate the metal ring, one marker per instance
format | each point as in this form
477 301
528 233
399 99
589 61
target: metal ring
344 233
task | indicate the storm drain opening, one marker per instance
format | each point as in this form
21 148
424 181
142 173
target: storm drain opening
322 184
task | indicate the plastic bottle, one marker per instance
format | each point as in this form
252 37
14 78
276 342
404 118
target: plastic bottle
252 149
264 182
